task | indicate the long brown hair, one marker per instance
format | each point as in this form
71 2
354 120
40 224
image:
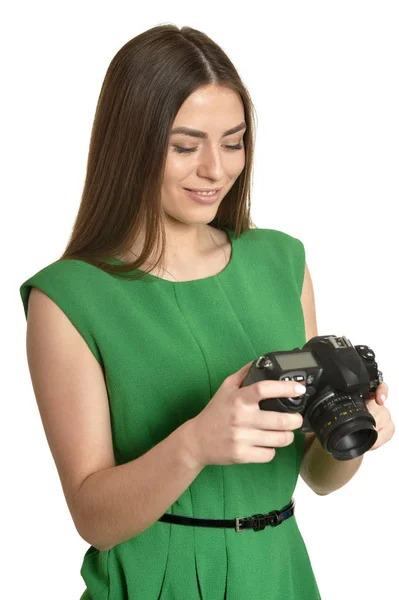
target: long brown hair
145 85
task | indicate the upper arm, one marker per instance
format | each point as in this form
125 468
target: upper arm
71 395
308 306
309 313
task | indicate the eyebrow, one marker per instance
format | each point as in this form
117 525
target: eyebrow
202 134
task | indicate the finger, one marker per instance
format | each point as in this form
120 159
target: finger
235 379
381 393
277 421
378 442
268 389
269 439
385 433
265 439
371 407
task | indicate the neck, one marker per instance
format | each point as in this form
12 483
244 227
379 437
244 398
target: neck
185 246
187 243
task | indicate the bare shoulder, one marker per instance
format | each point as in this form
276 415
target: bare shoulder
71 395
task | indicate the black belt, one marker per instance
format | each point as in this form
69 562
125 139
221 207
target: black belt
256 522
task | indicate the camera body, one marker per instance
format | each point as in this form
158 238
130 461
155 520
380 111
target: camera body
338 377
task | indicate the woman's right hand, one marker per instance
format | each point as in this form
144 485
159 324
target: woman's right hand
233 429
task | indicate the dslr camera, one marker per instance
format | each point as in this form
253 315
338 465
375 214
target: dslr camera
338 378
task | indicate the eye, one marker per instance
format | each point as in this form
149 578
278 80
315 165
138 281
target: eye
181 150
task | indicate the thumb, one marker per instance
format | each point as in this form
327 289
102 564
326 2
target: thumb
235 379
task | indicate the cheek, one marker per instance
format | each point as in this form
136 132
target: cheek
176 168
242 160
235 162
237 168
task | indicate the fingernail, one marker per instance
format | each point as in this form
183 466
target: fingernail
300 388
383 397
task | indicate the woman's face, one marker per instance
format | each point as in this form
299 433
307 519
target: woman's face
210 162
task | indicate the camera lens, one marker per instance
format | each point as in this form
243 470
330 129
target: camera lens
346 443
343 425
353 440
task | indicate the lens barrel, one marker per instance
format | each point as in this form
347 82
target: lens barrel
344 426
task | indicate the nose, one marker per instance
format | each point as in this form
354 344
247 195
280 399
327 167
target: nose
211 164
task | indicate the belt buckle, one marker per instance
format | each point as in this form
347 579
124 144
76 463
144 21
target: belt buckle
238 524
259 522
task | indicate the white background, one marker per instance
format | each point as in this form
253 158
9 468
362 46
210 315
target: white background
324 79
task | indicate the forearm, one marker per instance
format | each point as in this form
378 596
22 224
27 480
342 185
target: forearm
323 473
121 502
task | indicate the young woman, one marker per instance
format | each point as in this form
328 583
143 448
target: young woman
141 334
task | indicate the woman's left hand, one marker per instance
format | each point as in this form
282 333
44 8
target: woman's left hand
384 424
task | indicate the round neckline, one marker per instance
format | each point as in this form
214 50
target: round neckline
150 276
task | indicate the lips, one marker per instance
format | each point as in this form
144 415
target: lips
203 198
194 190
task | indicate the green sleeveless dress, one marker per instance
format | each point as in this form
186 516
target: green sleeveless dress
165 348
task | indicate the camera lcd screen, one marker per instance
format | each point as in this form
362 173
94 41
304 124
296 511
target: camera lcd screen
296 361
